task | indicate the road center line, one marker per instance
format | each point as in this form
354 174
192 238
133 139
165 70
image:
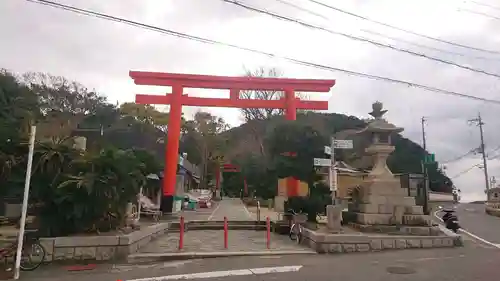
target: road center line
226 273
470 234
213 213
246 211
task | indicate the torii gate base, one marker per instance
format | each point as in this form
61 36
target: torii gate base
234 84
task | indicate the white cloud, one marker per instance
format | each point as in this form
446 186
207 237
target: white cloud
100 53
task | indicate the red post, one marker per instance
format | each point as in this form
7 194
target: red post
172 145
292 184
225 232
268 232
181 233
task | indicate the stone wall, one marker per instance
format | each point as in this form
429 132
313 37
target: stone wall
100 248
347 243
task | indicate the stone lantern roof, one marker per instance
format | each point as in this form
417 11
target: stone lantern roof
379 124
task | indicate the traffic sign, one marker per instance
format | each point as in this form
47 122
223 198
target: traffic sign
429 158
323 162
328 150
343 144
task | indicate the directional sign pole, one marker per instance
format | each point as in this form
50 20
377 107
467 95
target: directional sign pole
332 173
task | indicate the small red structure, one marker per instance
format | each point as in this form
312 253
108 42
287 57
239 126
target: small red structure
229 168
177 99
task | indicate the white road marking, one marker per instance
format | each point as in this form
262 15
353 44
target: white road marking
226 273
212 214
470 234
246 210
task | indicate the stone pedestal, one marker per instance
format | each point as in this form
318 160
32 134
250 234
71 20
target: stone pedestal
384 202
279 204
334 218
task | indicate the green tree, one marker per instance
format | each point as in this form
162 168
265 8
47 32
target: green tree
308 144
203 142
18 107
146 114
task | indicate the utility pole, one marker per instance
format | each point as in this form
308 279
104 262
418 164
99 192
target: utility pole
424 170
424 143
479 122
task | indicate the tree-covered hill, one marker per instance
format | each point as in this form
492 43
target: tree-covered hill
250 137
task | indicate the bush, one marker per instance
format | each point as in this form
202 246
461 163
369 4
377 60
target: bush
91 193
74 191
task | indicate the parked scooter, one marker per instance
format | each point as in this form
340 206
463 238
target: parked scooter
451 220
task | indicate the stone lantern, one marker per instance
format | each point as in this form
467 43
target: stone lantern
382 203
380 132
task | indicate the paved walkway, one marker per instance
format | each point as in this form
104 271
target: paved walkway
264 213
233 209
213 241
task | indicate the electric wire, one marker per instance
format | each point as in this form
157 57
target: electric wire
459 157
395 38
485 5
465 171
289 59
479 13
402 29
378 44
301 9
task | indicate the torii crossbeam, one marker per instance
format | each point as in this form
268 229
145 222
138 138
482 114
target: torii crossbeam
177 99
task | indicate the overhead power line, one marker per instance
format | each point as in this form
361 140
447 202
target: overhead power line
284 2
395 38
479 13
465 171
378 44
472 151
485 5
289 59
402 29
429 47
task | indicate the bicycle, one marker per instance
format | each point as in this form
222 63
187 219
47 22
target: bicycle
295 233
31 248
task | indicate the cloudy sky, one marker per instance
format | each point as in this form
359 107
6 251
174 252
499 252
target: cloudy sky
99 54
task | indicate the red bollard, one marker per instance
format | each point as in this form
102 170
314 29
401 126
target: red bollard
181 233
225 233
268 228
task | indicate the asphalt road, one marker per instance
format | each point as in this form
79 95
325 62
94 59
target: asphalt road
474 220
475 261
472 262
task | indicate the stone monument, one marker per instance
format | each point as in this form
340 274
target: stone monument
381 202
334 218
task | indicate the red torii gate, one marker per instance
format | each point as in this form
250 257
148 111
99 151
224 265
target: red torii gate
228 168
235 84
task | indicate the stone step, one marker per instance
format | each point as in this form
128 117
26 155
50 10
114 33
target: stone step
139 258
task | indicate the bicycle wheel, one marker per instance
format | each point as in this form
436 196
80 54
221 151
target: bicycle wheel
299 234
294 232
32 256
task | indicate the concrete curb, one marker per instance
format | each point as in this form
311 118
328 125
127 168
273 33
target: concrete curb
152 257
